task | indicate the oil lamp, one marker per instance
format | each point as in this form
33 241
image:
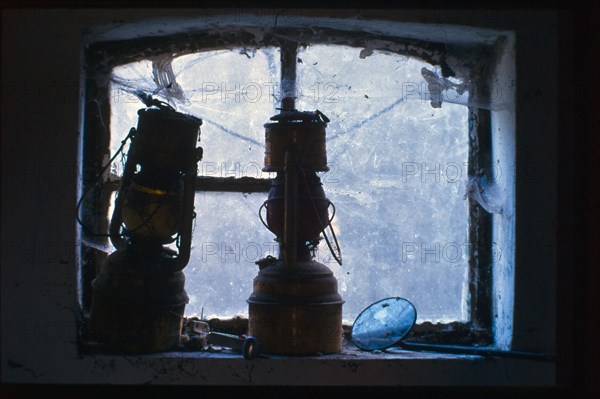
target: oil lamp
139 296
295 308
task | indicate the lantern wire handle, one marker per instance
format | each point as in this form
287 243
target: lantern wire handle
264 205
337 258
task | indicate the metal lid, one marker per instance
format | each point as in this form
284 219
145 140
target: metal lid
294 116
162 112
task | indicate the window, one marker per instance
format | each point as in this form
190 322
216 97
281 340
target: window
409 151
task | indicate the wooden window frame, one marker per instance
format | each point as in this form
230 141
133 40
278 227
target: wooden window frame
102 57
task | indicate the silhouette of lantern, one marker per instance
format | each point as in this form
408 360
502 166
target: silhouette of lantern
139 296
295 308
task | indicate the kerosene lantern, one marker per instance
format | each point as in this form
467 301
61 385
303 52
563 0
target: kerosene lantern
139 296
295 308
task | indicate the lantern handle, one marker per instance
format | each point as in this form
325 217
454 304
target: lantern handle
264 205
338 257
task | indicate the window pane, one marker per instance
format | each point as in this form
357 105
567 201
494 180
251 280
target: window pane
398 174
228 238
234 92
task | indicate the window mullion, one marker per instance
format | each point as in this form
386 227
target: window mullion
289 56
480 223
230 184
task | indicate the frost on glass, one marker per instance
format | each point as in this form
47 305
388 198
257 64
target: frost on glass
397 178
398 174
228 239
233 92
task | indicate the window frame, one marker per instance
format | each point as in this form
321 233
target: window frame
101 57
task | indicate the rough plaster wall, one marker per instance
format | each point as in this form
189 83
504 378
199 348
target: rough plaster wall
536 185
39 178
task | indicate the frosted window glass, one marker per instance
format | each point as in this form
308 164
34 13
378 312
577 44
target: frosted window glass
398 173
233 92
228 239
397 179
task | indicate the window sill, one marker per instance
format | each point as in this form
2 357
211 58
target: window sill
349 352
351 367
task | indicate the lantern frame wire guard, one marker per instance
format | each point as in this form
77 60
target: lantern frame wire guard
138 296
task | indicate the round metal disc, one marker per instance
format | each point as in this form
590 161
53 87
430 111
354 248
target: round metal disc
383 323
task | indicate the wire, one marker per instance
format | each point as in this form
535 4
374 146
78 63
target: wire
87 230
337 258
464 350
145 220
